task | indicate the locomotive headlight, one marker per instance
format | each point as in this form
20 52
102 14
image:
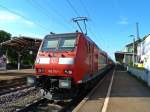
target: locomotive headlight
64 84
68 72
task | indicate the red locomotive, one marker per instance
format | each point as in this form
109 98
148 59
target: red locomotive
66 62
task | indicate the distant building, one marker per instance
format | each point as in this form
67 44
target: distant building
126 56
141 53
144 51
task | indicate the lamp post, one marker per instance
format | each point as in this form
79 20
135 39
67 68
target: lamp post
133 57
31 53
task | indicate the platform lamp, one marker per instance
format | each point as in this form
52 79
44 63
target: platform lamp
133 57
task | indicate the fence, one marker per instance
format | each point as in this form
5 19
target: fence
142 74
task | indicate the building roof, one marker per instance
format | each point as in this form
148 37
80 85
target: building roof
120 52
146 36
136 42
22 43
120 55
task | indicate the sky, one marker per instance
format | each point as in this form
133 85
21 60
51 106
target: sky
110 22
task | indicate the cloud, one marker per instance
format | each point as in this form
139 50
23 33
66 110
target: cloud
29 23
7 17
123 21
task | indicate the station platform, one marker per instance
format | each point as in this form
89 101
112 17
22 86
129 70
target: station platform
13 74
117 92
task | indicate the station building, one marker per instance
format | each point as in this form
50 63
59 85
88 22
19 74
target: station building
129 53
137 52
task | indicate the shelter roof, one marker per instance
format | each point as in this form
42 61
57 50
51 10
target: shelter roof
22 43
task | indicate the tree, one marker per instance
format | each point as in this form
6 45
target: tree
4 36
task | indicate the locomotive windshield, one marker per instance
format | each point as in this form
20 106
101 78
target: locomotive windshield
58 43
67 44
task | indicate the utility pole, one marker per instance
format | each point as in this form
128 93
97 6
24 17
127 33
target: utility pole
79 19
137 30
133 51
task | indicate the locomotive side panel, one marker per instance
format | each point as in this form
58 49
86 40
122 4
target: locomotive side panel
87 60
82 63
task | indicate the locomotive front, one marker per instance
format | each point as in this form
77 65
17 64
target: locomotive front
55 65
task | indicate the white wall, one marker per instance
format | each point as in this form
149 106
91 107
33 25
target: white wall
144 52
142 74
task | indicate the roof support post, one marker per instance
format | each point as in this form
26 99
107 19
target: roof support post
6 57
19 56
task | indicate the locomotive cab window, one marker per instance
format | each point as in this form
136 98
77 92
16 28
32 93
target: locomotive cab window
58 43
67 44
49 45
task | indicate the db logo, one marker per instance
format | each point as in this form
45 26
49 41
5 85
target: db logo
54 60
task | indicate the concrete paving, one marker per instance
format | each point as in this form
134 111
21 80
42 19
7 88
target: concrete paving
95 101
127 95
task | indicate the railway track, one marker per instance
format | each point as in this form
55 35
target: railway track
12 85
10 102
27 99
44 105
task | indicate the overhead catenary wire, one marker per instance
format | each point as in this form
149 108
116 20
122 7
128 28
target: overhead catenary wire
87 12
59 14
79 18
37 5
73 8
46 12
32 3
85 8
89 16
22 16
76 12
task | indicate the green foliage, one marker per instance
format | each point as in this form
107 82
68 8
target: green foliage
4 36
26 57
130 63
12 56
